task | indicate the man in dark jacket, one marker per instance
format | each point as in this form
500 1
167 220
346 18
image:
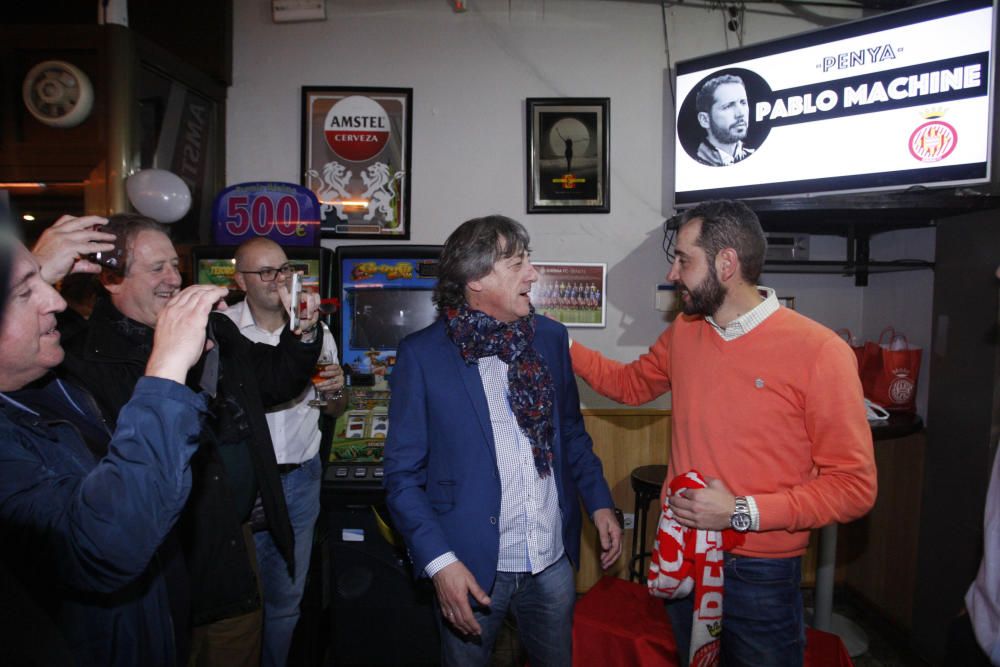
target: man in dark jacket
236 461
487 459
80 533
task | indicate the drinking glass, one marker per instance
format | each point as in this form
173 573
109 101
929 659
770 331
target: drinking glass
323 398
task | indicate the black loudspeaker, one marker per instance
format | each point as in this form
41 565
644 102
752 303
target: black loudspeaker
381 615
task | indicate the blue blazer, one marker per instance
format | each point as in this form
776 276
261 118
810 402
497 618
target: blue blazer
441 476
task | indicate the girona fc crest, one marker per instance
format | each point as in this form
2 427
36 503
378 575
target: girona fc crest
933 141
901 389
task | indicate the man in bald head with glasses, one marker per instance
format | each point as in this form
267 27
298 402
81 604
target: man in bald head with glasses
262 272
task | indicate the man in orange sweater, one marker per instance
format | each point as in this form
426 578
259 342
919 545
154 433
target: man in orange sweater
768 407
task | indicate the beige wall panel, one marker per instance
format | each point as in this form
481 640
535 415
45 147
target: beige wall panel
624 440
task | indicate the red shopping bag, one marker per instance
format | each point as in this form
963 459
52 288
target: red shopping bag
889 371
856 345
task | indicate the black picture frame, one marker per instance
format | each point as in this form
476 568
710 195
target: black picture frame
568 154
356 158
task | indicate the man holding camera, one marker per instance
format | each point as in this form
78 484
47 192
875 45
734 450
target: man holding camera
81 532
237 486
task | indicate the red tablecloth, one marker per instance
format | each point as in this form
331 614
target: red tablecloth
618 624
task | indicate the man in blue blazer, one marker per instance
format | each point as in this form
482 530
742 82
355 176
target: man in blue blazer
487 455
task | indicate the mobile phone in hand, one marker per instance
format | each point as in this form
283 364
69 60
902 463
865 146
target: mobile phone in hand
294 304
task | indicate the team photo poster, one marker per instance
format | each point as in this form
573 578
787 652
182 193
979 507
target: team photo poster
573 294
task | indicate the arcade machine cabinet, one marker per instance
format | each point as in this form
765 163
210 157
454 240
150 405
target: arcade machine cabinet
382 615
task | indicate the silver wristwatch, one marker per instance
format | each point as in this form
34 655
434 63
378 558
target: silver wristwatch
741 520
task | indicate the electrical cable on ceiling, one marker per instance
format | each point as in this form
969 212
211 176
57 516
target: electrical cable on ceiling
725 26
737 20
733 19
666 50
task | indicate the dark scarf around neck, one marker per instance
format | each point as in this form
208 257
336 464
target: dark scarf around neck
531 391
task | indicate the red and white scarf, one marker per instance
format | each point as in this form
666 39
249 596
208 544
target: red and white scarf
685 559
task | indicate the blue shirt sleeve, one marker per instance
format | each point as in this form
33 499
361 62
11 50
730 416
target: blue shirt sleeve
96 527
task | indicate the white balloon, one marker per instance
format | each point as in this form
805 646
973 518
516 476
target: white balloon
159 194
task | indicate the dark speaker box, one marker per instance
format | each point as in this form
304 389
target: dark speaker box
381 614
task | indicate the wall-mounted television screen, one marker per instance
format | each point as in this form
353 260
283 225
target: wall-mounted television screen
885 103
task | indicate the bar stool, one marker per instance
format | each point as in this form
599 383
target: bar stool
646 482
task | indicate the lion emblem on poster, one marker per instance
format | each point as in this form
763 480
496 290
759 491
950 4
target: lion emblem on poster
381 192
332 188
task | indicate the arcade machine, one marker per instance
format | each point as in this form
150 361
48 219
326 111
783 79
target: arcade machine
386 294
381 614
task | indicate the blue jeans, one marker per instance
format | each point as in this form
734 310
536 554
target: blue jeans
282 594
543 606
762 623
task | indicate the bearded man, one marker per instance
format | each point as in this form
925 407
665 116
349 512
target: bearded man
724 112
767 406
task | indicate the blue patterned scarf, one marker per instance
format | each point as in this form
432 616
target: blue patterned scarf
531 392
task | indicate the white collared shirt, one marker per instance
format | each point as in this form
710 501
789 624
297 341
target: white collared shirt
294 425
749 320
530 519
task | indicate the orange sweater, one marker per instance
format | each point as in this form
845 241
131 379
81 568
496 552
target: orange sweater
777 414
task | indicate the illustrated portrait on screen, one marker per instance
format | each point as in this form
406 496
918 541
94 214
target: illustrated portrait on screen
724 114
715 124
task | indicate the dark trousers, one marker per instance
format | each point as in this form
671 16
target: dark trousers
762 621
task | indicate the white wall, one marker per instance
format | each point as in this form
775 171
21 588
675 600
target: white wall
470 73
904 300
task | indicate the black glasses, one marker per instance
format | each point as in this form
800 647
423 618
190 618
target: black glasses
268 274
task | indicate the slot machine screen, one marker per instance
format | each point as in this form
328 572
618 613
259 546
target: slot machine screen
215 271
383 317
386 294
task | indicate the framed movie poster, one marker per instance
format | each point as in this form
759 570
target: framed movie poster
571 293
356 159
568 155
